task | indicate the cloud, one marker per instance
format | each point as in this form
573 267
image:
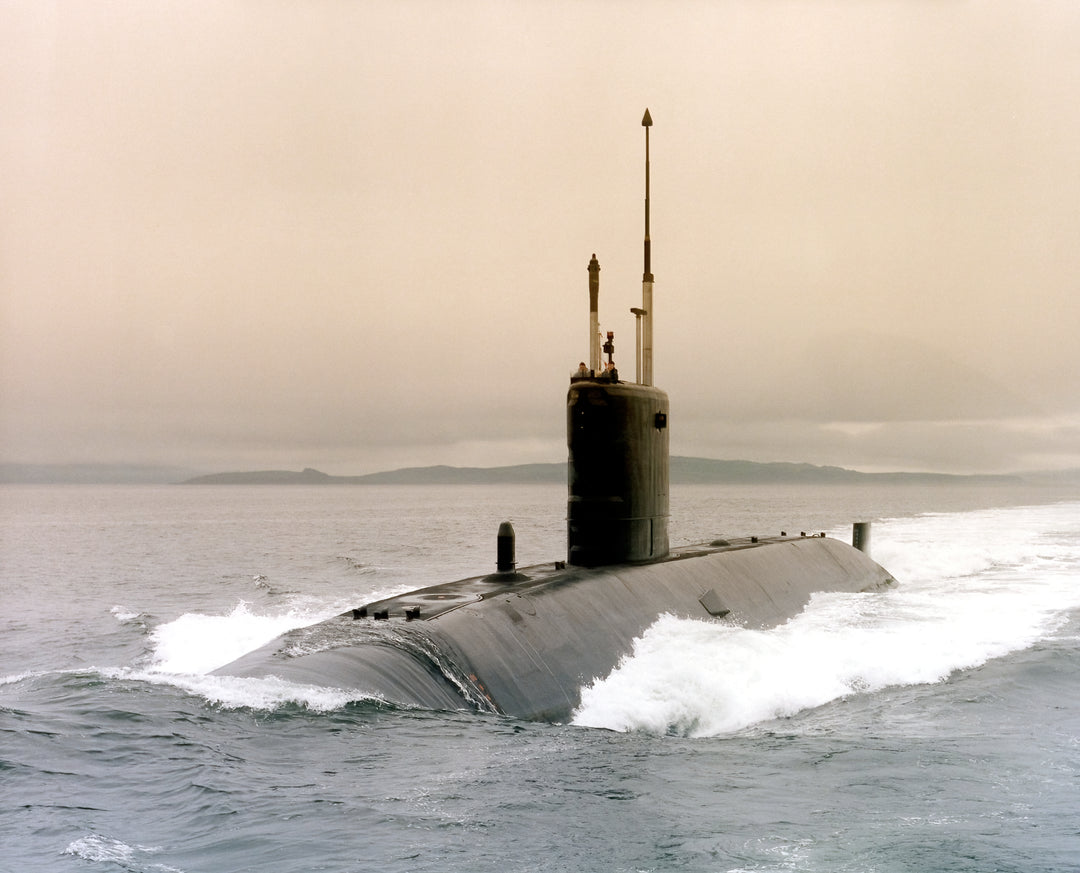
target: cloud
951 446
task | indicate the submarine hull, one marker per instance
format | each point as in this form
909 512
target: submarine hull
524 643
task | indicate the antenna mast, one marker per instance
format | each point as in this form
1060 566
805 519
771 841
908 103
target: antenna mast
594 317
647 276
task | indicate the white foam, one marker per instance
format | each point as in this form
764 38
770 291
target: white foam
123 615
267 693
101 849
188 648
14 678
198 643
974 586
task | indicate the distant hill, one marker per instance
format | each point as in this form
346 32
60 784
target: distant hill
268 477
439 475
683 471
690 470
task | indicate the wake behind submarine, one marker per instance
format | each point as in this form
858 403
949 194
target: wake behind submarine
524 641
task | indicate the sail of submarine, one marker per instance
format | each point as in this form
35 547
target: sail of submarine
523 642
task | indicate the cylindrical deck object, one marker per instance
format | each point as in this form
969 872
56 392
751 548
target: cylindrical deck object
860 536
506 560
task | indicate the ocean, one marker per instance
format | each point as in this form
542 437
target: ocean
931 728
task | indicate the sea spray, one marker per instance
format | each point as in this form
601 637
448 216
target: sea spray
994 583
196 643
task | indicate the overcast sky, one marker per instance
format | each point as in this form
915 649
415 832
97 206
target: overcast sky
354 235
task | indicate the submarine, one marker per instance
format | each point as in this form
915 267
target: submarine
523 642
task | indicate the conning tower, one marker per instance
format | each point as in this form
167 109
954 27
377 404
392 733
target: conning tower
617 437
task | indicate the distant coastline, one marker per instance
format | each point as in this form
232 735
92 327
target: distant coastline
683 471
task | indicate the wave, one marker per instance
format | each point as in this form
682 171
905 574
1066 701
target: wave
265 694
270 694
16 678
106 850
125 615
187 649
196 643
973 586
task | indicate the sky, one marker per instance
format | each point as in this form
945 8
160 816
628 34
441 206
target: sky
354 235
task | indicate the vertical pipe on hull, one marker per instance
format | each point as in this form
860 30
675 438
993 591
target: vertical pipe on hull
637 342
646 334
505 557
860 536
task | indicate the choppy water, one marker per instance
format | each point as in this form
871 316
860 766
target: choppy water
934 728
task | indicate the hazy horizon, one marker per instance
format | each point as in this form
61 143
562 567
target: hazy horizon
354 237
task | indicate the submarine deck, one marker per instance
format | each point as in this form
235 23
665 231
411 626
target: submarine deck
431 602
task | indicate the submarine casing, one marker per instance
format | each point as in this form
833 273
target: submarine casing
525 643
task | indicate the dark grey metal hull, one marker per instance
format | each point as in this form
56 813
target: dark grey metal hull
523 644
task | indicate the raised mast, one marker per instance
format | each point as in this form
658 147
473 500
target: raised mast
594 315
647 276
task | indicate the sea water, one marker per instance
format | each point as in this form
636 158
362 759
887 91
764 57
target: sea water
935 727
